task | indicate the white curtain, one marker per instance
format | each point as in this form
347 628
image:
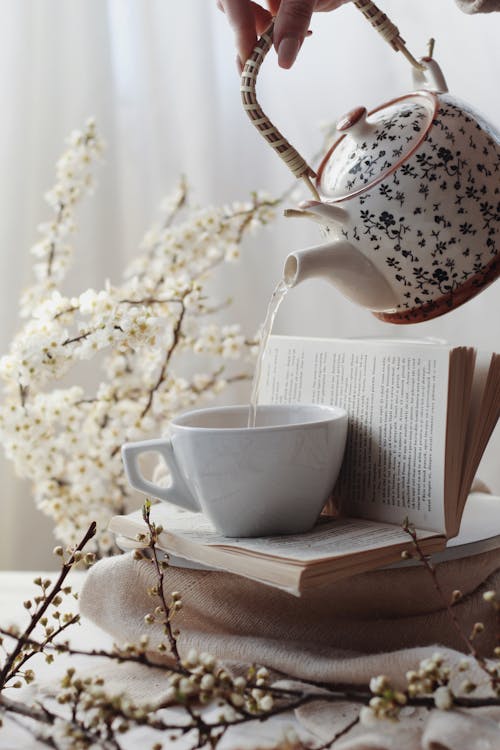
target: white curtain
161 80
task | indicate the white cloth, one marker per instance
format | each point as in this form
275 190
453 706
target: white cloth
348 632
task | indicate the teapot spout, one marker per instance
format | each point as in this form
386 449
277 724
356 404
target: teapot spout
347 268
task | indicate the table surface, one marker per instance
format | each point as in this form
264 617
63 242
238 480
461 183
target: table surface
15 588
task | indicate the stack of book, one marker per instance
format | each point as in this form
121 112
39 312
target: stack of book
421 414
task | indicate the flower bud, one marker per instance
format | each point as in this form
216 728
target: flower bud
207 682
443 698
379 684
237 700
266 703
192 659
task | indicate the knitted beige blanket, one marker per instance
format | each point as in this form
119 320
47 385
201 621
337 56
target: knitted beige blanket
382 622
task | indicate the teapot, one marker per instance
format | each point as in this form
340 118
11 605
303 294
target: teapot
408 199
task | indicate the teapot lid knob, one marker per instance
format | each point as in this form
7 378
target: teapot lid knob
369 145
354 123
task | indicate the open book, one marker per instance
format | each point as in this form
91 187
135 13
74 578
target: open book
420 417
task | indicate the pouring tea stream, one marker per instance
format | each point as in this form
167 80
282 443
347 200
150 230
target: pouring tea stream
277 298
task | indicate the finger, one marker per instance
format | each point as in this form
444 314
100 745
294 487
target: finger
291 25
325 5
241 19
246 19
262 18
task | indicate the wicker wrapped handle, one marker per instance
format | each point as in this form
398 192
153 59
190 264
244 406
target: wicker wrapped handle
387 29
294 161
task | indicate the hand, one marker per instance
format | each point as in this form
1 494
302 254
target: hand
292 17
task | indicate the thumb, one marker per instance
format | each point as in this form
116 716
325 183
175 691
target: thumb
291 25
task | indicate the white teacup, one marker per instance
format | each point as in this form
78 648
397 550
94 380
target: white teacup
273 478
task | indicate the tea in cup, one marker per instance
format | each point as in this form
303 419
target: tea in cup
273 478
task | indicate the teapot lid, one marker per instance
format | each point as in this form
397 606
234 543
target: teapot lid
371 145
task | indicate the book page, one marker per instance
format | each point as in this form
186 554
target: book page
346 536
328 539
395 394
483 416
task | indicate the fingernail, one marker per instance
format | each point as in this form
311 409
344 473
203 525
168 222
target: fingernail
287 51
239 64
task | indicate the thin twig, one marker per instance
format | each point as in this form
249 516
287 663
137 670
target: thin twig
480 660
338 735
150 301
9 668
172 640
168 357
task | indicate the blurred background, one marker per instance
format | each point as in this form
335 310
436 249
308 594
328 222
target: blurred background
160 78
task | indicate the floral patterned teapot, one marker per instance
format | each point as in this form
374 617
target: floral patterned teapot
408 197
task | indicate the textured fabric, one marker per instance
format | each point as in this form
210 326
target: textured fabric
383 622
380 610
418 729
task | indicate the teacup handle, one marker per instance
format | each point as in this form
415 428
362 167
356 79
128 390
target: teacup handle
177 493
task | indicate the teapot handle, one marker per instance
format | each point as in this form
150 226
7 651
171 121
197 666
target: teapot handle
430 77
294 161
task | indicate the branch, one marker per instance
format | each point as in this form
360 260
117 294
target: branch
52 251
85 335
153 538
150 301
9 669
339 734
161 377
22 709
493 677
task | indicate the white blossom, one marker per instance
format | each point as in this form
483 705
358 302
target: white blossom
378 684
148 339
